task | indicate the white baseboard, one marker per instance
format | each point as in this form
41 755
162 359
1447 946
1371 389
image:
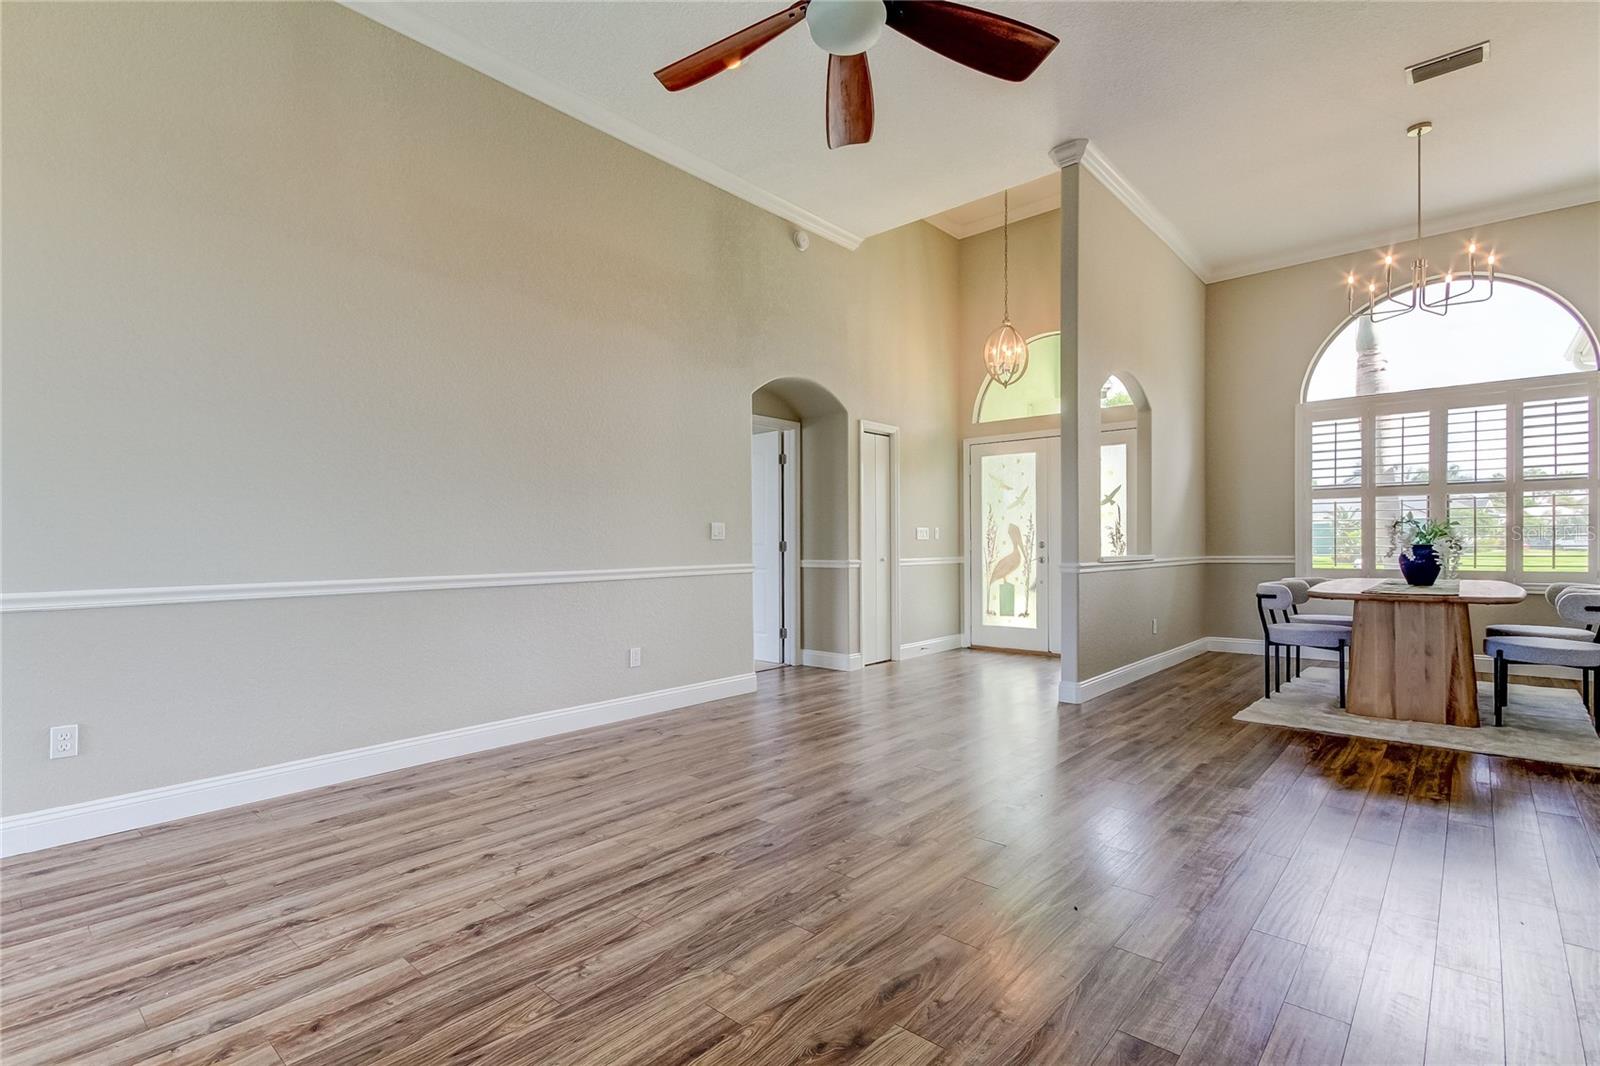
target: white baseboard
929 647
116 814
830 660
1100 684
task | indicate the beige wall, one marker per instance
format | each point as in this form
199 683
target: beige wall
1141 316
1262 332
292 297
1035 307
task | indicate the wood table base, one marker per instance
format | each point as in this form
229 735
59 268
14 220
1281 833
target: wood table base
1413 661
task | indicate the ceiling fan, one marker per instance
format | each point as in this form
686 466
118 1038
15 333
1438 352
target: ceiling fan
845 29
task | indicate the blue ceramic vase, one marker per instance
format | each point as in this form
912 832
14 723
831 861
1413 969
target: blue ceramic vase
1421 565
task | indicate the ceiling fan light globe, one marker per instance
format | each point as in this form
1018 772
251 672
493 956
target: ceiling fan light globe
845 27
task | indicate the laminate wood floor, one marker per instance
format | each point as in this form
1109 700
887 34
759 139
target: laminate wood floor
926 862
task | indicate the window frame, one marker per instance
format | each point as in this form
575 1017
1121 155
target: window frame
1438 402
1126 434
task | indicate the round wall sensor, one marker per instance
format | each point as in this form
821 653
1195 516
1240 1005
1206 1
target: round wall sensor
802 239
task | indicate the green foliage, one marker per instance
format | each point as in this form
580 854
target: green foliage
1427 530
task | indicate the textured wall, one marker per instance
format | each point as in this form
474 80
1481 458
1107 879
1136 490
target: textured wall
292 297
1141 314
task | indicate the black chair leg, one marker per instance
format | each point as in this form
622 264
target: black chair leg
1266 668
1585 672
1277 668
1499 686
1341 674
1297 666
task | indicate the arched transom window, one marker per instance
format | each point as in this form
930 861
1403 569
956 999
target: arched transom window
1037 392
1485 416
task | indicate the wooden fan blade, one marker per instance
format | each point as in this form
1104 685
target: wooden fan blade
993 44
730 51
849 100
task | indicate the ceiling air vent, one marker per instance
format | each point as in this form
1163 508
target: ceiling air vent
1447 64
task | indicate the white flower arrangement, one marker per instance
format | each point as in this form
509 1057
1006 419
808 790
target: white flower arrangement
1444 537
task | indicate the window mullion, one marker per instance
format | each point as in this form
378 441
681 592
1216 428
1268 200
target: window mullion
1514 486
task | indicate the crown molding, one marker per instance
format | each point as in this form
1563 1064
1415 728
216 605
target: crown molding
1081 152
1069 153
1503 211
1020 209
408 21
1097 164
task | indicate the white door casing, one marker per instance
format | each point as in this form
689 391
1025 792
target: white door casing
766 535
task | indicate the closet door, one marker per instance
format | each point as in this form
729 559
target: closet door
877 529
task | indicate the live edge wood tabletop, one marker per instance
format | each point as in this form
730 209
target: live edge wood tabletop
1411 651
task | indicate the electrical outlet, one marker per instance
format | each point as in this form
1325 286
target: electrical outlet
635 656
1155 627
935 532
63 741
719 531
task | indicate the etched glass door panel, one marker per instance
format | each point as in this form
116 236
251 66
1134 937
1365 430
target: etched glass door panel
1011 499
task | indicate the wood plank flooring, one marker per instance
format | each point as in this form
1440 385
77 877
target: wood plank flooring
923 863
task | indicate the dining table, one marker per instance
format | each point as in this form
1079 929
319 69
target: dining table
1411 649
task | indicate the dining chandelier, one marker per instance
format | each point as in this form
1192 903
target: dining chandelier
1005 353
1380 300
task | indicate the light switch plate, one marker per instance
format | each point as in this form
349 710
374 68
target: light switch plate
922 532
719 531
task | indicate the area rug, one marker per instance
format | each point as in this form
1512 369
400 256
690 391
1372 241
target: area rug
1541 723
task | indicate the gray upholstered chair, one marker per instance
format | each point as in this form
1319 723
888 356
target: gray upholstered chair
1300 588
1580 606
1552 592
1275 606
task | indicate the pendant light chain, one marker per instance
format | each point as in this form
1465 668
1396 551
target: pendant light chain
1005 353
1005 253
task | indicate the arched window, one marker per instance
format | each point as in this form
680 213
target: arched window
1485 417
1124 469
1037 393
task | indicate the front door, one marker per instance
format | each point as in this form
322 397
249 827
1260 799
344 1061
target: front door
1013 513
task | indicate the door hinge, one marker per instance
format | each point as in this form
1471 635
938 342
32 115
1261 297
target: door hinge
783 634
783 459
783 545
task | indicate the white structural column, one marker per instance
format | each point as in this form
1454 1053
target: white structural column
1068 157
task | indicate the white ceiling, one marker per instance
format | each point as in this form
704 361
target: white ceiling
1251 135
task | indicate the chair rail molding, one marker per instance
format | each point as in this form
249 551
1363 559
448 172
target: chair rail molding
79 599
1104 566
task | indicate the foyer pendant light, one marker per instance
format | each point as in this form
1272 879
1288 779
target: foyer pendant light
1005 353
1378 302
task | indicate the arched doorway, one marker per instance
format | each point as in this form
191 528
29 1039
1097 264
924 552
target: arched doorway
803 584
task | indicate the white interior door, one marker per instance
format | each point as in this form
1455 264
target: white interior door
1012 496
766 535
877 529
